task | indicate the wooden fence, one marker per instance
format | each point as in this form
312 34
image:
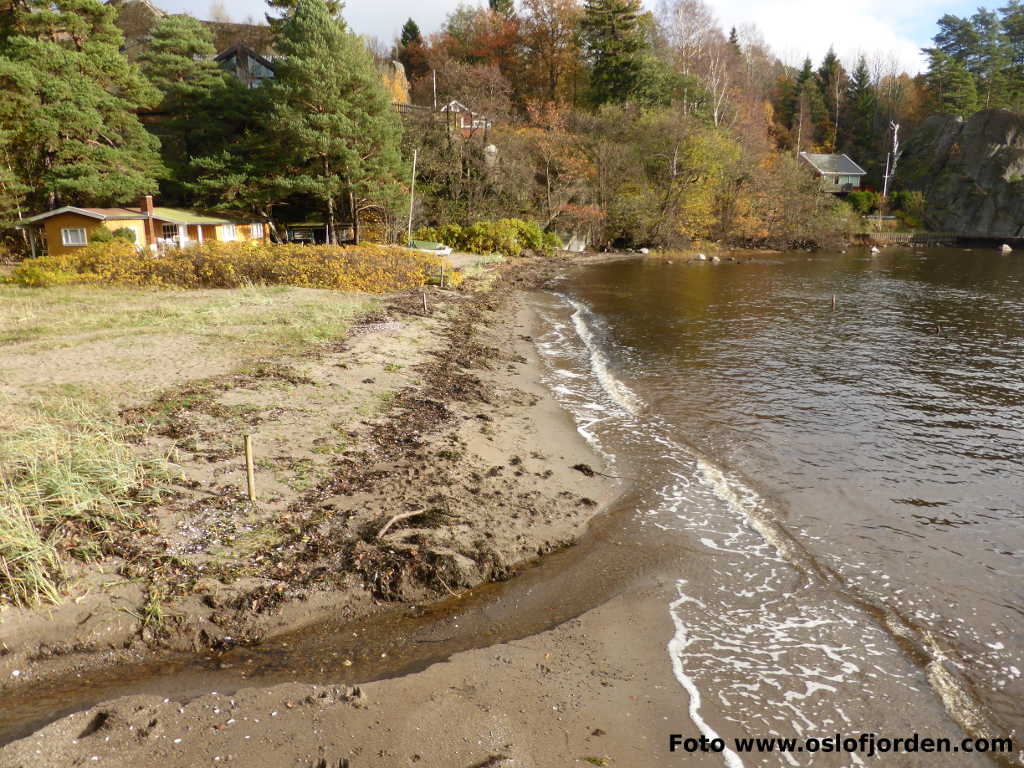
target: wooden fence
908 238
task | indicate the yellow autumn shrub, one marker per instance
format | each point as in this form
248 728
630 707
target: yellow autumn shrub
369 268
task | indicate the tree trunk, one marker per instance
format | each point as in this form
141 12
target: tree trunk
332 232
355 216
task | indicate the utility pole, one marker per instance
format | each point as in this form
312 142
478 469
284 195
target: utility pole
412 191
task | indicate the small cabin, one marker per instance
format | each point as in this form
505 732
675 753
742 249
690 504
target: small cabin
838 173
66 229
464 120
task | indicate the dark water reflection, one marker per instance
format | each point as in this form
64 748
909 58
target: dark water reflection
887 435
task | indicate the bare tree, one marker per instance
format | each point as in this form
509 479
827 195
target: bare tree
689 26
219 12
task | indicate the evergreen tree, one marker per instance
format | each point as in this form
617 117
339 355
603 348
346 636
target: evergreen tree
179 62
734 41
615 43
858 134
69 111
832 81
809 122
333 122
288 7
951 88
412 52
411 33
1012 18
990 60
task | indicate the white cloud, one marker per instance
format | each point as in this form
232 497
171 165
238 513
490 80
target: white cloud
798 28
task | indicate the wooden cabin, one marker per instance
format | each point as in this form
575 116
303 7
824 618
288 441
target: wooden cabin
838 173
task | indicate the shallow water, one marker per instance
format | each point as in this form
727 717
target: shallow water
853 477
833 498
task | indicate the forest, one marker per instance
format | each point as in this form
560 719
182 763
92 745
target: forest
599 120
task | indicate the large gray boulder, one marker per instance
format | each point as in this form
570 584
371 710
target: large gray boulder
971 173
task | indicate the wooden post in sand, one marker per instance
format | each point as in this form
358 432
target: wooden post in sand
425 310
442 275
833 302
250 472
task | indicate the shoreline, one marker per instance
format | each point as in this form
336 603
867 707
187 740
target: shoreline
515 415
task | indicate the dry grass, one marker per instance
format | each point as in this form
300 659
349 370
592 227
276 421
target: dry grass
276 319
70 482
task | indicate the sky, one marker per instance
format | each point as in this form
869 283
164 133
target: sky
793 28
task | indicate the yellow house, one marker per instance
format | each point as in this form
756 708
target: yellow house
66 229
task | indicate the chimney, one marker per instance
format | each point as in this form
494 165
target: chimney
147 209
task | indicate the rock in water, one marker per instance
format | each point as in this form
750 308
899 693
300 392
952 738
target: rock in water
715 259
875 249
701 257
1005 248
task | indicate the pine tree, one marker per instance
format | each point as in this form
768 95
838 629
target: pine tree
70 103
287 8
178 61
334 124
1012 19
950 87
616 46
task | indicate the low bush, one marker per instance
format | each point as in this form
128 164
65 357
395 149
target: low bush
125 233
863 200
370 269
508 237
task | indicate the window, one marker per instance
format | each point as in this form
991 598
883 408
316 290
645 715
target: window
257 231
170 232
73 236
228 231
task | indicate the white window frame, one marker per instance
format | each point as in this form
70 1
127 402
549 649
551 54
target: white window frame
65 238
229 231
256 230
169 232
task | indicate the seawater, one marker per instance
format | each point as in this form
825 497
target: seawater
850 482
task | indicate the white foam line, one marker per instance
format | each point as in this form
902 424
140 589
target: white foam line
619 392
676 647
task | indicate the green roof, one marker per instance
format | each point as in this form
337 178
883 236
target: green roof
179 216
833 164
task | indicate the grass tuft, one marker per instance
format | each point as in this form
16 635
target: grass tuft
69 484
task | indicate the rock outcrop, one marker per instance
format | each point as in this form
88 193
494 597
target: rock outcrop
971 173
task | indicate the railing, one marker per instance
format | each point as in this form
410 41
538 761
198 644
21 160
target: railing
907 238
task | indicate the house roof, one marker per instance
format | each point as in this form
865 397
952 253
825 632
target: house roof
243 50
180 216
169 215
102 214
833 164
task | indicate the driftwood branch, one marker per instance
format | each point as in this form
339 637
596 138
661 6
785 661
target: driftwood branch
398 518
